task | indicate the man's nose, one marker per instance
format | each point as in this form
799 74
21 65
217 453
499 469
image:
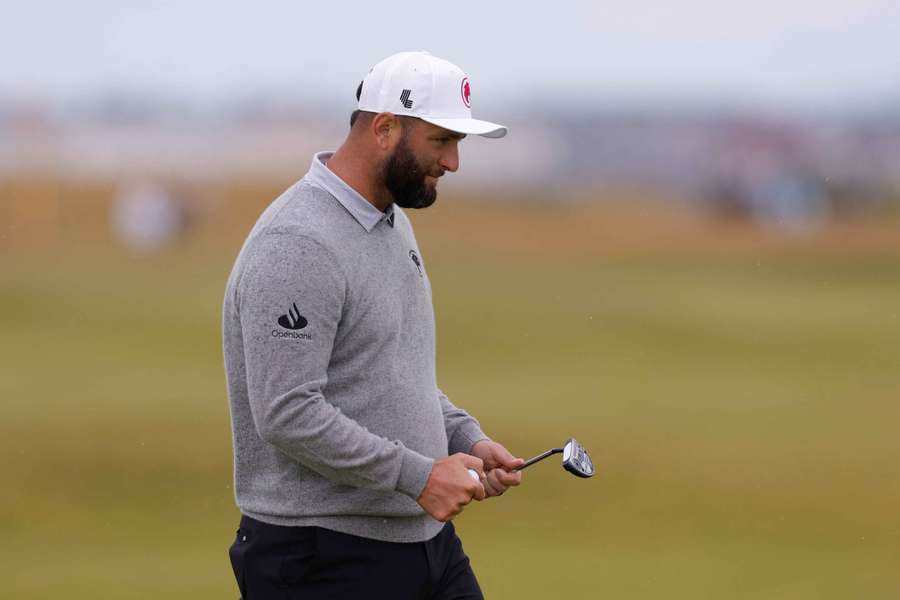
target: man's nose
450 159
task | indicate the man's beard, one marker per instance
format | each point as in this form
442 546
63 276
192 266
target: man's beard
404 178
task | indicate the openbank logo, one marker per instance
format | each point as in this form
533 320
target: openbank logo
292 321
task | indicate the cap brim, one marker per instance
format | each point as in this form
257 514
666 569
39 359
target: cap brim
469 126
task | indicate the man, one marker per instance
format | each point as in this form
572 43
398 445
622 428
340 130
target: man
349 460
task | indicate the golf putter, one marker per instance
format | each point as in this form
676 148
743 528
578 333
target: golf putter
575 460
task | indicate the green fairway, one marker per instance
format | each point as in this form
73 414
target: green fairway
742 411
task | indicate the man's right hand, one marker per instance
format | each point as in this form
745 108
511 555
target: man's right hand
450 486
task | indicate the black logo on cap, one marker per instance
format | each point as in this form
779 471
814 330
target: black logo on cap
404 98
293 319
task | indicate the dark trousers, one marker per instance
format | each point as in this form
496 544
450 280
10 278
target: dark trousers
271 561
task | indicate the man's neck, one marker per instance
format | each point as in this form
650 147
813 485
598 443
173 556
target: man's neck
359 174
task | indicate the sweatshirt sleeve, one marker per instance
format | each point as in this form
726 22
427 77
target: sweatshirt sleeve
463 430
290 300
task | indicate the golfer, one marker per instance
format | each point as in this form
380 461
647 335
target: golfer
349 461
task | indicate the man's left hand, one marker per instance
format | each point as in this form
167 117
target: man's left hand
498 466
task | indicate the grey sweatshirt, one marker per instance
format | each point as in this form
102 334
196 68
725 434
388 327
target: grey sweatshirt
329 343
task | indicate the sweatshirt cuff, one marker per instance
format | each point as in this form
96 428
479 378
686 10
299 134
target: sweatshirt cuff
414 473
466 436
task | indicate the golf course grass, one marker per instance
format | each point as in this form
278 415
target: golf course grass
738 391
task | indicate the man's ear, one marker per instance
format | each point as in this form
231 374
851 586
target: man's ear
387 129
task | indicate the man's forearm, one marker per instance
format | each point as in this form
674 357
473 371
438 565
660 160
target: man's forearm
304 425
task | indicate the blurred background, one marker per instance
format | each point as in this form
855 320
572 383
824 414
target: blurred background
686 254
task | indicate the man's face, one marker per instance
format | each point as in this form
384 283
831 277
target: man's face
423 153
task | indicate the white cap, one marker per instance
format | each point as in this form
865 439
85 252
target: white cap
420 85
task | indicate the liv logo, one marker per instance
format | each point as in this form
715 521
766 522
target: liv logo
293 319
404 98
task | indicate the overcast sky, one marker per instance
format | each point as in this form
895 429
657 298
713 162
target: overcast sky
795 53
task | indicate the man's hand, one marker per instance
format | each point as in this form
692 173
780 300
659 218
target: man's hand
450 486
498 463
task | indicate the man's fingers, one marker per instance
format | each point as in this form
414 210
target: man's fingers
507 478
501 480
451 514
507 460
491 486
513 463
479 493
494 481
472 462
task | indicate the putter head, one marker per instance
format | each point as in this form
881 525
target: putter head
576 460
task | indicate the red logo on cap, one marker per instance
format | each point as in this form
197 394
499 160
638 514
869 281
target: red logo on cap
464 88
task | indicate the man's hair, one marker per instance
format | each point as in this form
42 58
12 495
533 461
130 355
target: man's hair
355 114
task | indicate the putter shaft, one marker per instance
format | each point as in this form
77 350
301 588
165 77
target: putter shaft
539 457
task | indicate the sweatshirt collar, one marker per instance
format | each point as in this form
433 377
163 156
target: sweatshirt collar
362 210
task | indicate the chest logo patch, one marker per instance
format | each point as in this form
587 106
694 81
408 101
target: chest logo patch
417 261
